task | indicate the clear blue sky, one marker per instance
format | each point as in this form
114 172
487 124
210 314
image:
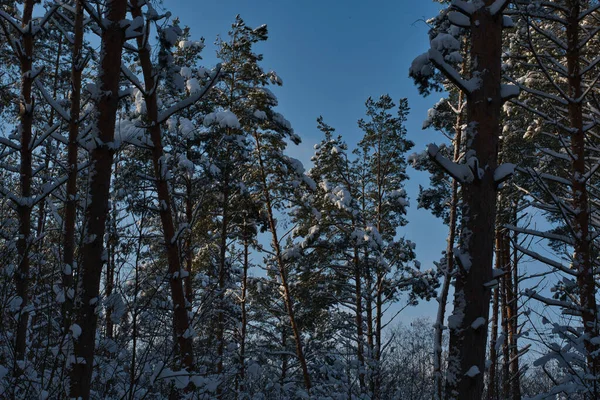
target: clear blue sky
332 55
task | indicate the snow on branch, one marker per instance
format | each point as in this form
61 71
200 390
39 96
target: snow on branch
9 195
498 6
449 72
552 302
130 76
588 11
52 102
460 172
62 30
45 19
543 175
49 131
504 172
541 93
507 22
508 92
9 143
48 189
459 19
544 235
191 99
545 260
591 172
463 7
463 259
133 28
94 15
11 21
547 118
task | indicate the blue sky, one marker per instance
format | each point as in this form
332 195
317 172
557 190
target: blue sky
333 55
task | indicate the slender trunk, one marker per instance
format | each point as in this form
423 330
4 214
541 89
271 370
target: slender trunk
41 217
492 383
511 320
113 37
284 357
359 319
222 276
369 322
505 318
493 374
289 304
242 373
582 261
467 351
26 109
71 186
378 333
443 298
189 211
109 284
181 322
514 322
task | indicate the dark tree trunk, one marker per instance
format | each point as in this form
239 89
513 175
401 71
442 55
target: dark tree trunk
467 352
71 186
183 341
26 109
582 261
113 37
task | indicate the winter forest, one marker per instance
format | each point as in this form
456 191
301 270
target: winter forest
160 238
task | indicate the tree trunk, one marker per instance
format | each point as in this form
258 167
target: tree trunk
504 283
26 109
181 322
71 186
287 296
443 298
582 261
189 211
492 393
113 37
222 278
514 321
242 373
467 351
359 320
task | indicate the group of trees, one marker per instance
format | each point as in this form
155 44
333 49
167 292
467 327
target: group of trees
520 172
157 242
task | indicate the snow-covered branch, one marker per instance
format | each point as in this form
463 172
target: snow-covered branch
545 260
64 114
552 302
508 92
461 172
48 132
163 116
11 21
504 172
463 7
9 143
498 6
544 235
45 19
130 76
449 72
459 19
